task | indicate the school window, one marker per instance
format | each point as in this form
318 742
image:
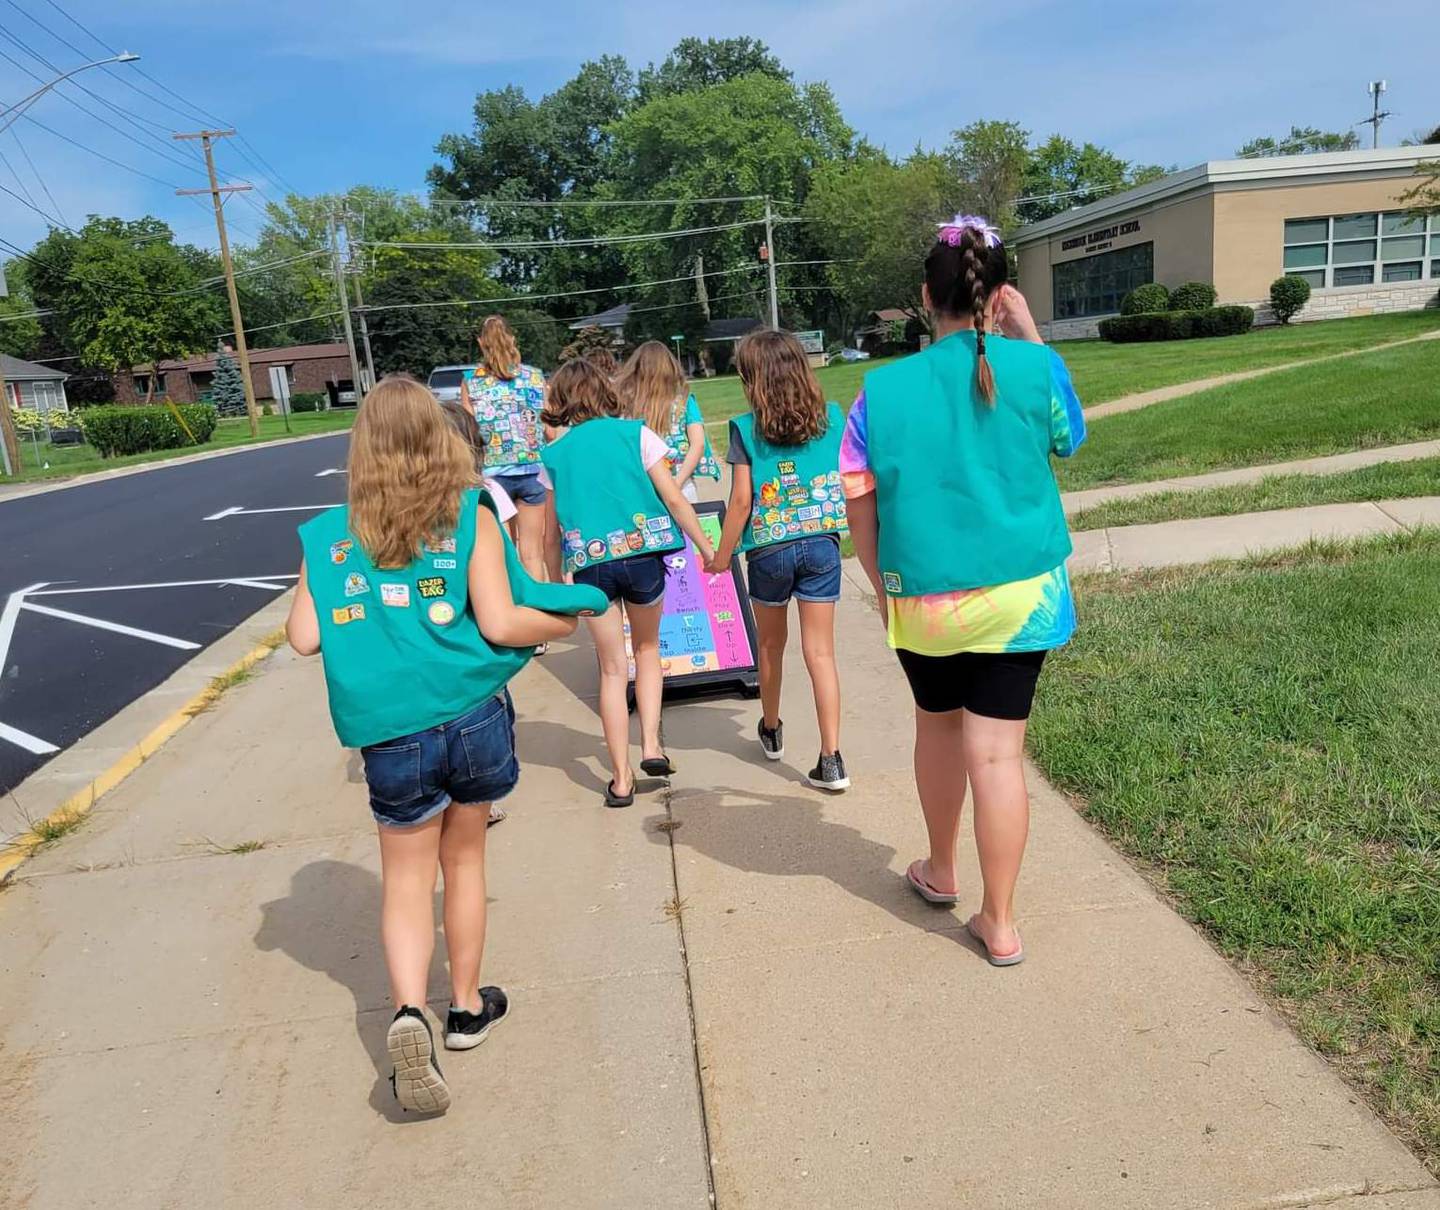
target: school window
1362 249
1094 285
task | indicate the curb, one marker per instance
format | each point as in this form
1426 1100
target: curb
80 803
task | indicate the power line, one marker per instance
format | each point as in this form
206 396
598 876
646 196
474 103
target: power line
585 242
539 203
15 134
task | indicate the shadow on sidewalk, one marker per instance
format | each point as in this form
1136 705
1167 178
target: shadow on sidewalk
787 836
330 923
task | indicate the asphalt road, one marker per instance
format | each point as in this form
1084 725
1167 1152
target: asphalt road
75 564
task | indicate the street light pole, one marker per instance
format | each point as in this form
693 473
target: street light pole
13 112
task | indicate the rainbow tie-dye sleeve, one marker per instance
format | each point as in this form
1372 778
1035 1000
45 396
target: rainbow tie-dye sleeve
1067 419
856 477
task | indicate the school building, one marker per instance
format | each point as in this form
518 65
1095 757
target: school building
1333 218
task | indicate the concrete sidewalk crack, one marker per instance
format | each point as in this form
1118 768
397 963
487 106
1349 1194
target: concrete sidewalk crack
667 798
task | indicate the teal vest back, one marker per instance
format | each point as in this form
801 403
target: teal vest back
401 647
797 491
606 504
678 439
977 504
507 412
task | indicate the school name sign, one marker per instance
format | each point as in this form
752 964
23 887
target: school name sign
1098 241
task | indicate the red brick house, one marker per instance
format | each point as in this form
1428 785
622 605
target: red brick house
312 368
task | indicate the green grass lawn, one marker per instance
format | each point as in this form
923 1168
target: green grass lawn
1387 481
67 460
1265 739
1104 371
1382 398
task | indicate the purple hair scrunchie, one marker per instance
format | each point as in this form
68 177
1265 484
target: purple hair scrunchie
952 231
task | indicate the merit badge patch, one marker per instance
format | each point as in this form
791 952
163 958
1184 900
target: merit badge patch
340 551
347 613
442 613
891 580
596 548
446 546
356 585
430 586
395 595
443 564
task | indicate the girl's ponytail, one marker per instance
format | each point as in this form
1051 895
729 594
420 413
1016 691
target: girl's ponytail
964 268
978 292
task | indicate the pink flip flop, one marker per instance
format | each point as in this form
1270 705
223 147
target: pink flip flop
923 888
993 958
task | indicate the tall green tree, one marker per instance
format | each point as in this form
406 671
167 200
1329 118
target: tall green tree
18 337
695 65
227 389
1302 140
991 158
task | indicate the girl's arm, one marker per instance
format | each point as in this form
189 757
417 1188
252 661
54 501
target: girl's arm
501 621
737 516
680 509
864 520
695 435
302 627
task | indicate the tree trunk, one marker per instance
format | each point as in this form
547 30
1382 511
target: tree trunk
150 382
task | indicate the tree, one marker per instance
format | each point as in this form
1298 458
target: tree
1424 196
695 65
227 390
1061 175
416 339
1302 140
991 159
586 339
538 335
18 337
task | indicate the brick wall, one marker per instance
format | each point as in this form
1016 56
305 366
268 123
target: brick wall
310 374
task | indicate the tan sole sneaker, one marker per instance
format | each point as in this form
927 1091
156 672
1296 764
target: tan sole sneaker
418 1081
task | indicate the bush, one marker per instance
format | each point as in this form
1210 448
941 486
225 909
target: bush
1288 296
307 401
1177 325
27 420
1146 298
1193 296
117 429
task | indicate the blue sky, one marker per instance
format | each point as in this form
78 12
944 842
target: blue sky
336 92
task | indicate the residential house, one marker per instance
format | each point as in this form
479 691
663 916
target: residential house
323 368
28 385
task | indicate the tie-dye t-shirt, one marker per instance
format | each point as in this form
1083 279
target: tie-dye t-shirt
1023 615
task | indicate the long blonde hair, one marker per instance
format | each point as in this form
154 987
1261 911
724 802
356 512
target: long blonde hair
499 354
407 469
651 384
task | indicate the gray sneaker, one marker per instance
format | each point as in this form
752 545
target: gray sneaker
772 740
830 773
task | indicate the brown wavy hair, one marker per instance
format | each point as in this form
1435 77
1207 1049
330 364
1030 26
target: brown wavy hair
783 391
462 420
651 385
603 360
578 391
407 469
499 354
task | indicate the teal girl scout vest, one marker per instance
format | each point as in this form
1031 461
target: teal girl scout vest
401 647
606 504
507 412
977 504
678 439
797 492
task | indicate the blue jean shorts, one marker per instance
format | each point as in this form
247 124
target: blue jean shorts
523 487
469 760
638 580
807 569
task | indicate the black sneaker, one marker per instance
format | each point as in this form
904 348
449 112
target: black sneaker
417 1080
773 739
830 774
466 1030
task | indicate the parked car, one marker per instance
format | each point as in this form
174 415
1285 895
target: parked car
447 382
849 355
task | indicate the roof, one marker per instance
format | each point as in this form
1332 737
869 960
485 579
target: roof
281 356
615 317
1321 168
27 371
732 329
889 315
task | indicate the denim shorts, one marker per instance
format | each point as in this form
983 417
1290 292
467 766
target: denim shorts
470 760
523 488
807 569
638 580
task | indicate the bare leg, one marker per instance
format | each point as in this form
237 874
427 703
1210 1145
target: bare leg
772 626
608 631
940 779
993 751
409 859
553 569
530 537
649 680
817 641
462 857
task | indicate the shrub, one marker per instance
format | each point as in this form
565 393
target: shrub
1193 296
1150 297
1177 325
307 401
27 420
1288 296
117 429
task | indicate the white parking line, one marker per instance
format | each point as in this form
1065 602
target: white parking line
243 581
239 511
334 470
23 739
102 624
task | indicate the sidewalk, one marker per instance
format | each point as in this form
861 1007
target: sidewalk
190 1026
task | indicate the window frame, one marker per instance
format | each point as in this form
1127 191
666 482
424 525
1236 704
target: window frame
1389 227
1099 279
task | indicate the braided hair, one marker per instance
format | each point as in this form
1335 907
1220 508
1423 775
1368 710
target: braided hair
961 277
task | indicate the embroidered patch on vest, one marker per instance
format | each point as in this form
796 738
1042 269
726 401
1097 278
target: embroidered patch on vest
395 595
891 580
340 551
442 613
443 564
430 586
356 585
347 613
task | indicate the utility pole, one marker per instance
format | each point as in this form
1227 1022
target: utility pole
344 305
360 306
9 442
770 264
215 190
1377 90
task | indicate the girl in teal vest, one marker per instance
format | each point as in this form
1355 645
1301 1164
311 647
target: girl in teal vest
787 512
422 613
967 552
652 387
620 513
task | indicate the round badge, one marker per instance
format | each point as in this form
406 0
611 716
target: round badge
442 613
639 520
777 530
578 560
596 548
